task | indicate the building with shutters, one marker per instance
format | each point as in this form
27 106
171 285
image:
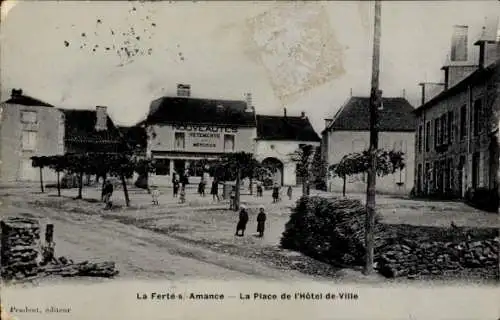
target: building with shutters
30 127
349 131
456 145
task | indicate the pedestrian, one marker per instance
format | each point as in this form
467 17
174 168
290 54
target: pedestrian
155 194
261 221
214 191
276 192
108 191
182 197
203 184
259 189
242 222
289 192
175 184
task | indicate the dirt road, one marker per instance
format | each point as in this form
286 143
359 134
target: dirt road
138 253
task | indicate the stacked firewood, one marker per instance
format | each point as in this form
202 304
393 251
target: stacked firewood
20 248
65 268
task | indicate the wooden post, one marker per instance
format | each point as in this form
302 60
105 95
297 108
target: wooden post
58 183
375 97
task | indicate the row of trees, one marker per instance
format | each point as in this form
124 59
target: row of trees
388 162
102 165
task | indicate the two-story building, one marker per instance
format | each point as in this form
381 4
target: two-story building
184 131
31 127
349 132
455 145
280 136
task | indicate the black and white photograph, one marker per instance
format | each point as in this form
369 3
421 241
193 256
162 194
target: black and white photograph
269 159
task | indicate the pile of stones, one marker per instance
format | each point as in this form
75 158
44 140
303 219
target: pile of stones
19 247
412 259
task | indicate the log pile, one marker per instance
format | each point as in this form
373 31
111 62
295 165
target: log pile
66 268
412 259
20 248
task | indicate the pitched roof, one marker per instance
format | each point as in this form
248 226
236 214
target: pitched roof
396 115
170 110
80 127
25 100
285 128
481 75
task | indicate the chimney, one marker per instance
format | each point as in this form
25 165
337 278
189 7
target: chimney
183 90
303 115
16 93
328 122
488 43
101 123
430 90
459 44
284 112
248 100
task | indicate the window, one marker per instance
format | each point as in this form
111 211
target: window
444 129
477 116
419 138
229 142
437 133
450 127
162 167
29 140
28 117
180 142
427 136
435 176
463 122
427 176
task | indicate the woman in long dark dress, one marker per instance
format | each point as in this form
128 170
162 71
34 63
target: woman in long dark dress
214 191
261 221
242 222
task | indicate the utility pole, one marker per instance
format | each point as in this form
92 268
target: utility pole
375 101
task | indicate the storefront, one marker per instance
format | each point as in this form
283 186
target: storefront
184 133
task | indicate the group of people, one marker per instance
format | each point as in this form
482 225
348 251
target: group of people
243 220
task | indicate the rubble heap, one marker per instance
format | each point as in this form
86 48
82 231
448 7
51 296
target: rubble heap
20 248
412 259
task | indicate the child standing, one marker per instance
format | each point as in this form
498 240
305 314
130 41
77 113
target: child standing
182 196
261 221
155 193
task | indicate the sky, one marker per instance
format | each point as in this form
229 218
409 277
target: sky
299 56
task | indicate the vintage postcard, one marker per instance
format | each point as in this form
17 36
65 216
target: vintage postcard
249 160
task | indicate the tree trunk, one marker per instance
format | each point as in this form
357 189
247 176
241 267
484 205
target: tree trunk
102 186
237 191
343 185
80 185
251 186
41 179
125 190
58 183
